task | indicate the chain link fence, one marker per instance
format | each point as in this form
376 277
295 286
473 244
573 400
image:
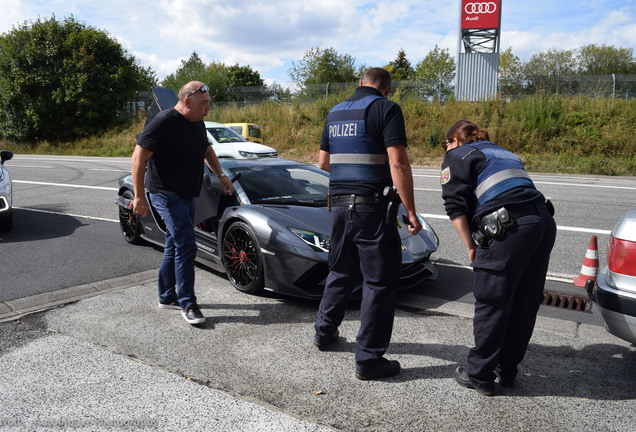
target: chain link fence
593 86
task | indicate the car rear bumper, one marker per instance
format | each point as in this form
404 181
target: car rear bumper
618 308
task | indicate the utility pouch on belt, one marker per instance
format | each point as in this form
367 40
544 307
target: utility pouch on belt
493 225
329 201
393 204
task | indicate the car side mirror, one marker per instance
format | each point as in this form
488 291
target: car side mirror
6 155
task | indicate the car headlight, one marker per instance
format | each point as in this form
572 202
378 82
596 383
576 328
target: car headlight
249 155
317 241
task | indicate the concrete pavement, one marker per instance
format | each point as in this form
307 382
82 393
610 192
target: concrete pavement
112 360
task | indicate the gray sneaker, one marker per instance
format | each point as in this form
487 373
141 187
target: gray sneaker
193 315
170 305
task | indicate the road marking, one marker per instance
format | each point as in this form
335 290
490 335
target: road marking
551 183
78 159
585 185
30 166
66 185
559 227
584 230
425 189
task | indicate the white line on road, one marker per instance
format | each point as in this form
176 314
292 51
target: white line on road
551 183
585 185
426 215
66 185
30 166
559 227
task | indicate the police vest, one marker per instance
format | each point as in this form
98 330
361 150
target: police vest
354 155
503 171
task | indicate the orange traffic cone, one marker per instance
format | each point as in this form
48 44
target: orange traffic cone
589 269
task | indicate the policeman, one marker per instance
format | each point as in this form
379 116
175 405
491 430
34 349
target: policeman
363 146
488 193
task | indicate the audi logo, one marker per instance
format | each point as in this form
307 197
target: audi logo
480 8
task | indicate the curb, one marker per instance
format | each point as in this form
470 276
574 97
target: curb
15 309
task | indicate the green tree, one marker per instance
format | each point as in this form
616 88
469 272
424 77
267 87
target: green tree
193 69
400 68
546 71
510 68
245 84
243 76
438 68
604 60
320 66
63 79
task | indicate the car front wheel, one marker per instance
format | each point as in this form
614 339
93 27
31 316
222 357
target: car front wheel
129 222
242 258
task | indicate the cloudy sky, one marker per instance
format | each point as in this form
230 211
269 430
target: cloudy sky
269 35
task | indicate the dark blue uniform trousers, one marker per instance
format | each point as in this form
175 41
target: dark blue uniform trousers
362 246
509 277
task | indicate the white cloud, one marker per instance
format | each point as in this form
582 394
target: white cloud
270 34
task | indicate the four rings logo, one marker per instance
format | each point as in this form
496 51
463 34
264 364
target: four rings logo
480 8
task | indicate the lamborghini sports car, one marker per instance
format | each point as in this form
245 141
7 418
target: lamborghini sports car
273 232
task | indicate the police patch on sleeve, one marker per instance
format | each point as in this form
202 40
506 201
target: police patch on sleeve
446 176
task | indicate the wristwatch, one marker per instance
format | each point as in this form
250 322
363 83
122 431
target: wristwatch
221 175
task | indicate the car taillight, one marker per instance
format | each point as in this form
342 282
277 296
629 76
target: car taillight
621 256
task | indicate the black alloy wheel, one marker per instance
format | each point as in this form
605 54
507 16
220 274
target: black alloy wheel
129 222
242 259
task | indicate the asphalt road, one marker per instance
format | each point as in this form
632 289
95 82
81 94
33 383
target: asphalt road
66 230
109 361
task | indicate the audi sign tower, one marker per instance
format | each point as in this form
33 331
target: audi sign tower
478 50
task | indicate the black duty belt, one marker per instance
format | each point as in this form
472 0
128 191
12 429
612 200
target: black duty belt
352 200
518 211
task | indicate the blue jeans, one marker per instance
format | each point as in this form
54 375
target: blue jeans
176 274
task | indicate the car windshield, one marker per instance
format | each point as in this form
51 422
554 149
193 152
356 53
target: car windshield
224 134
280 184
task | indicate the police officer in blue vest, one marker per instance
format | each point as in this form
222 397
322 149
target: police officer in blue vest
363 147
508 230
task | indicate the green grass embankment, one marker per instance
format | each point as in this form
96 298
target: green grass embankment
550 134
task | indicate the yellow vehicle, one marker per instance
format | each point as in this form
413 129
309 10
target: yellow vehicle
249 131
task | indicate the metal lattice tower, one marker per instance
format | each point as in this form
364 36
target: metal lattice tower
478 49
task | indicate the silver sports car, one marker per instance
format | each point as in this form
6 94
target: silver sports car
273 232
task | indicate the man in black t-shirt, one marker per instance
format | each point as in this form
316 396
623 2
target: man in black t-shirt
170 151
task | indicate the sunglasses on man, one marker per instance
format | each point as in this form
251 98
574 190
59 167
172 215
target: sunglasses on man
203 89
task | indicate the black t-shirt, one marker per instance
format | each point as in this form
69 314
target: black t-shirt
384 123
178 146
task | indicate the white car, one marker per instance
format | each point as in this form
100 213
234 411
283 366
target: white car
227 143
615 291
6 209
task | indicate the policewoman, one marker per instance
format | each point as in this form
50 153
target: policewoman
363 147
508 230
